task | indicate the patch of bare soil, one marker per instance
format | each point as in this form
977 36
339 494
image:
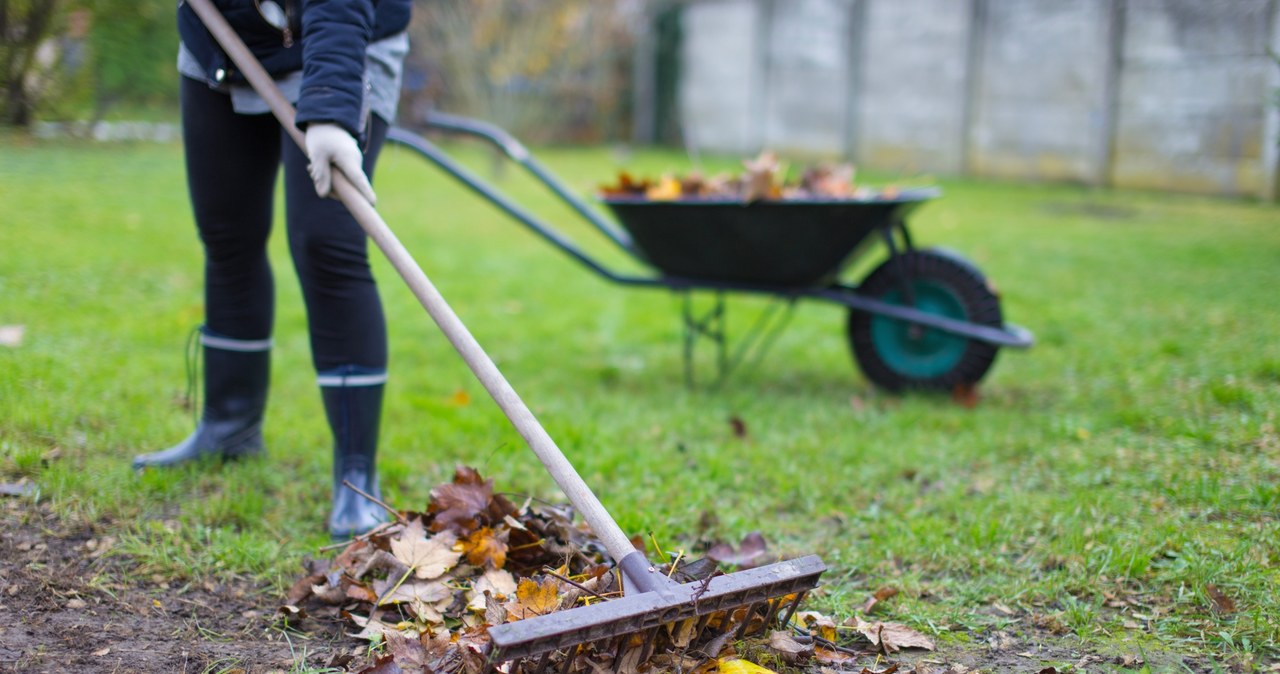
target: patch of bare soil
68 606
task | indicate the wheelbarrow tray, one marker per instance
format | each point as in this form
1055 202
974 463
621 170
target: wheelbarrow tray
792 243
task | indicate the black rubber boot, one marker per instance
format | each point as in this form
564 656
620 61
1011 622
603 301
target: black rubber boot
353 403
236 373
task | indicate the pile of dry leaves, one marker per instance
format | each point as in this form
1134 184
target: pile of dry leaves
763 179
427 587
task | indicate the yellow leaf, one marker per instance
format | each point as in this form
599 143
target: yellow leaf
460 398
483 547
819 624
667 189
533 599
740 666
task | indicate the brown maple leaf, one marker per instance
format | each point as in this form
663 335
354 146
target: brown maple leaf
748 554
1221 602
785 645
891 637
458 505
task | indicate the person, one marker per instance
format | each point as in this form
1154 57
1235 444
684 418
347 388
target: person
340 62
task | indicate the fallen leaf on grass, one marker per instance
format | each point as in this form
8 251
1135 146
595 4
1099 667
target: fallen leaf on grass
829 656
291 612
1221 602
818 625
740 666
384 665
788 648
372 628
891 637
11 335
749 550
883 594
966 395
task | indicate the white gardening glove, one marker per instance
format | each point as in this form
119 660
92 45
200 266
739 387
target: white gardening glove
331 144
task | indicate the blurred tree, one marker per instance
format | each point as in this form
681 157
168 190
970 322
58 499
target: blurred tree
544 69
24 25
133 47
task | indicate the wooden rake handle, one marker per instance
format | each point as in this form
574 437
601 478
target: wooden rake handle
481 365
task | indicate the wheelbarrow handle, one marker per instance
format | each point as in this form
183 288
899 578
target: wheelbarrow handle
564 474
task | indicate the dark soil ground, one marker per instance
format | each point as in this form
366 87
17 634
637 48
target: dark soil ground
68 605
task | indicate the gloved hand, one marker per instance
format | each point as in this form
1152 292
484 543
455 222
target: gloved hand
331 144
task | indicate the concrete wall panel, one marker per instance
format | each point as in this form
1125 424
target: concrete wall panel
1040 103
910 113
720 88
807 77
1193 75
1173 94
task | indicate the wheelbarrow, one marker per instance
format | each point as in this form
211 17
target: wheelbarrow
924 318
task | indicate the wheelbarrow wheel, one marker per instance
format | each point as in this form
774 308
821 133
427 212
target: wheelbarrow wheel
896 355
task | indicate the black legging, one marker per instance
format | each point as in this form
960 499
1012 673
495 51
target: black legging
232 161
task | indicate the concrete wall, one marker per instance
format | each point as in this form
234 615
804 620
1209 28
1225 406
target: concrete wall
807 71
920 49
1190 115
1039 103
1166 94
721 86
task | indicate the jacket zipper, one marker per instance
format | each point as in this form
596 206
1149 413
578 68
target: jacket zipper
286 31
288 24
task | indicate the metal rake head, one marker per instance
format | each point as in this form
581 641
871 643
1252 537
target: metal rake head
740 603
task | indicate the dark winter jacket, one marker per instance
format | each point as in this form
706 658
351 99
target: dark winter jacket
326 40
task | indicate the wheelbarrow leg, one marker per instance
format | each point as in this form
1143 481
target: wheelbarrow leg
711 325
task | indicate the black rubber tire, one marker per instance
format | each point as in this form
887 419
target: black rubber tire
942 271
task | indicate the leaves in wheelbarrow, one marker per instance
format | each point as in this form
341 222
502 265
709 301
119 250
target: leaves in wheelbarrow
764 178
430 584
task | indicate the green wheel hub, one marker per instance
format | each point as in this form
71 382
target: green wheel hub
916 351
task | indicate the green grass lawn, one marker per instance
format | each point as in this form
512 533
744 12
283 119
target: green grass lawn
1108 478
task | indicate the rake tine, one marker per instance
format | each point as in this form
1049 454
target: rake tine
542 662
702 625
649 643
746 621
615 626
791 610
570 657
773 613
618 650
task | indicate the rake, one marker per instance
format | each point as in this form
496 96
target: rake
739 603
